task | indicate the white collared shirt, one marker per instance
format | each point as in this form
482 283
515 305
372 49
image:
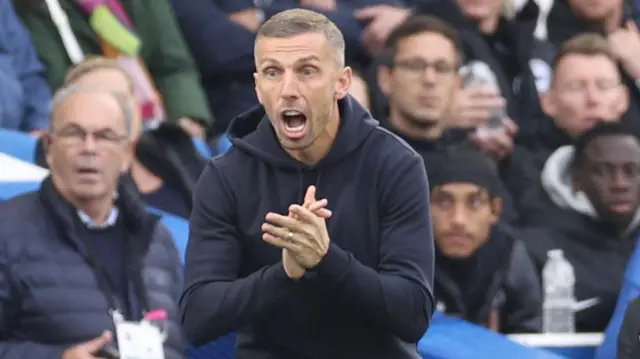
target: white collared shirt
111 220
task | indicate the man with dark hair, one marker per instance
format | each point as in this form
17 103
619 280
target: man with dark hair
266 260
418 101
483 273
588 207
429 110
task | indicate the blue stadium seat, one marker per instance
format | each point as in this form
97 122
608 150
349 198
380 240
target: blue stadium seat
452 338
18 144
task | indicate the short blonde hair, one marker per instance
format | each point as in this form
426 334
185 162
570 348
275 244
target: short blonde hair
95 63
586 44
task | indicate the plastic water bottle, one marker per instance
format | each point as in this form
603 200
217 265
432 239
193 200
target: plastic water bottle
558 281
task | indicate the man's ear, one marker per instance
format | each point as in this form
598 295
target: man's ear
344 83
255 81
46 147
576 183
496 209
384 79
129 154
548 104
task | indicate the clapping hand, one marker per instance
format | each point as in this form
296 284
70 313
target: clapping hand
302 234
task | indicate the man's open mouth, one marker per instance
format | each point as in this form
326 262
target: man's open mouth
294 121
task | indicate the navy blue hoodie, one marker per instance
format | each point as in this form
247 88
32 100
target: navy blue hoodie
371 295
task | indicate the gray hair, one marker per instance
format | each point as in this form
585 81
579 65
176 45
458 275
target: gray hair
66 92
294 22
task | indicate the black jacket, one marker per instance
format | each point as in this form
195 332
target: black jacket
370 297
559 218
499 277
49 297
629 335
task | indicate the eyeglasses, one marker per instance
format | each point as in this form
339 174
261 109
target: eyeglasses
77 136
418 66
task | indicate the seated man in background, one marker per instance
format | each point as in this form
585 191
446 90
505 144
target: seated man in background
586 88
25 96
587 205
428 108
141 35
483 274
93 252
166 165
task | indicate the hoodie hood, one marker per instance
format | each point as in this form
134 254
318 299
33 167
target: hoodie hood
556 181
253 133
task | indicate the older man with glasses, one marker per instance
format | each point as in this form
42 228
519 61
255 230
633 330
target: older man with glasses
82 255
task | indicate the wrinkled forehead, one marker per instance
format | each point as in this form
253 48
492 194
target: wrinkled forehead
107 79
579 66
287 51
89 109
613 150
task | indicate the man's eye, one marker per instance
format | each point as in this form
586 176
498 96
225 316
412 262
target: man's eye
271 72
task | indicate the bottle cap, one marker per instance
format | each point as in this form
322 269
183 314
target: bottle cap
158 314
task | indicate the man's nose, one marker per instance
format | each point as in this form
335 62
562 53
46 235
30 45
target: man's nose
89 144
430 75
458 215
593 95
289 89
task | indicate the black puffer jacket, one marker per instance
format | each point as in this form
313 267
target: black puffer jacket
49 297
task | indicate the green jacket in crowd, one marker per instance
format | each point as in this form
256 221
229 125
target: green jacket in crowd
163 51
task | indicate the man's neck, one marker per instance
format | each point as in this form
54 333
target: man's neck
98 210
410 129
489 26
321 146
144 179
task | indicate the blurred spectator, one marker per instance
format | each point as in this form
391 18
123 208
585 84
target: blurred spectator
24 93
588 207
615 19
586 89
166 166
427 108
221 34
419 77
142 35
92 249
483 274
502 45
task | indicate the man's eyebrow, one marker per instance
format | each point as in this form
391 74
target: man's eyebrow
309 58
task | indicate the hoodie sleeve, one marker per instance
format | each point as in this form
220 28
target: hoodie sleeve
398 295
215 301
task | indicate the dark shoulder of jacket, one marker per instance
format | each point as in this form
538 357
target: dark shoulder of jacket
20 216
387 142
519 256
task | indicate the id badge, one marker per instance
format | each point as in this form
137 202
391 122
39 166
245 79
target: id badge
139 340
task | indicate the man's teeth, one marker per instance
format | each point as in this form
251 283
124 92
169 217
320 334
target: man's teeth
291 113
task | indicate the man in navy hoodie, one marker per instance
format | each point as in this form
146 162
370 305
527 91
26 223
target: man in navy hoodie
292 282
